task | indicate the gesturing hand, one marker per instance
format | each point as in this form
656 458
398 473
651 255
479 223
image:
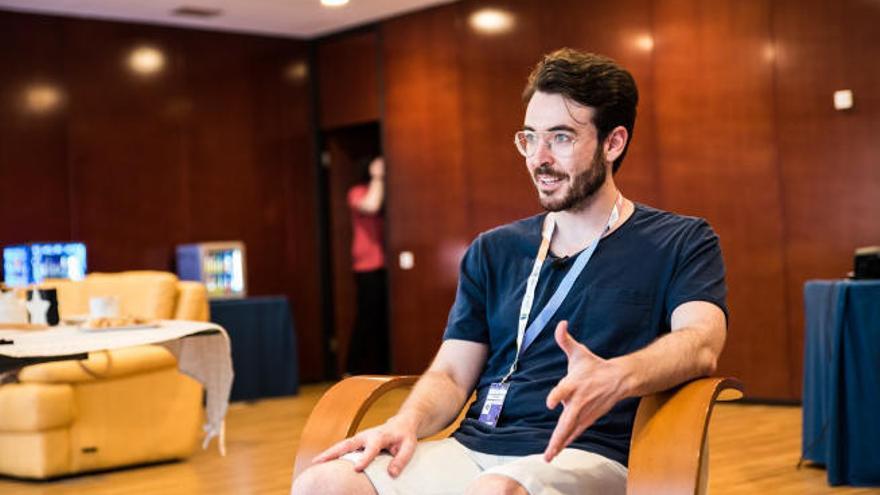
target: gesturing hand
396 435
589 389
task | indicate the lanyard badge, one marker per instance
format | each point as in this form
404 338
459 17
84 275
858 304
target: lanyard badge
494 402
525 336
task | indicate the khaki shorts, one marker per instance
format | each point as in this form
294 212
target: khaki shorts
448 467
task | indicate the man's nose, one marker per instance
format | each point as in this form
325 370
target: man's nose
542 155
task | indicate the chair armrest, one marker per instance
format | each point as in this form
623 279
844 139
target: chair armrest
669 436
339 412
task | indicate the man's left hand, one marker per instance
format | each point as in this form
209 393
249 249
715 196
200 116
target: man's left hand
590 389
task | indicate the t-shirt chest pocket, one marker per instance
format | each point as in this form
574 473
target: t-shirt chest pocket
617 320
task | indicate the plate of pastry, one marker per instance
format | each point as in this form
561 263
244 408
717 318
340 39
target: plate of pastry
118 323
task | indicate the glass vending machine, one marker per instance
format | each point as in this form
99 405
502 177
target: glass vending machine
219 265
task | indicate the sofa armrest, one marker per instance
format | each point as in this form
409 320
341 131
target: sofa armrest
102 365
29 407
192 301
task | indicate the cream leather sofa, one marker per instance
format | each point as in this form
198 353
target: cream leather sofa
122 407
146 294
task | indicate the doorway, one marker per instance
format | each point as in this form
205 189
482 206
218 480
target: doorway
344 151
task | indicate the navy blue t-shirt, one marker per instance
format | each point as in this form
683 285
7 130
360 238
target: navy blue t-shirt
621 302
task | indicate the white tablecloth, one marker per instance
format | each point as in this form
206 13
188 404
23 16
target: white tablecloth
207 358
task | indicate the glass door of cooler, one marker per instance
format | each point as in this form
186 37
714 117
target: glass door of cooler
223 271
221 266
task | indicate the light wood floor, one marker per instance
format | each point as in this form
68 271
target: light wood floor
754 451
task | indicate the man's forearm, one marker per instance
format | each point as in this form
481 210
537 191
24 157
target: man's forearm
434 402
675 358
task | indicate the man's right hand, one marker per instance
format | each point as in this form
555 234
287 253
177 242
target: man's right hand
397 436
434 402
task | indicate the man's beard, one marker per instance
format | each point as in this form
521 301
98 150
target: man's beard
582 188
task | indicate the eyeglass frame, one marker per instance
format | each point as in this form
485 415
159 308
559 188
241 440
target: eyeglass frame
544 137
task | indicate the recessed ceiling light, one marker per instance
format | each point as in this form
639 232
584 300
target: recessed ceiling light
191 11
333 3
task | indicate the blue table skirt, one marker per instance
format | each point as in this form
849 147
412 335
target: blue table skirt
841 413
263 341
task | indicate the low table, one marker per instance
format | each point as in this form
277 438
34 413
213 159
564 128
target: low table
841 400
263 339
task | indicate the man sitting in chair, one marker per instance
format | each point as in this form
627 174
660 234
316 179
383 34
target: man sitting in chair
636 297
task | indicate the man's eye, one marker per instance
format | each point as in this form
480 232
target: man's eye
561 138
530 138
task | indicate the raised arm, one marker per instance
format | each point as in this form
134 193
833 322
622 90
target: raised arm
594 385
371 202
435 401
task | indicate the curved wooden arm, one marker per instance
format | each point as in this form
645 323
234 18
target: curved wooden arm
340 411
668 446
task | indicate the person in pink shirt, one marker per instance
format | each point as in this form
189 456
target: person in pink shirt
368 348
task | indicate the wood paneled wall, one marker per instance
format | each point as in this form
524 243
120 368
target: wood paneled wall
426 174
216 146
348 79
716 153
829 161
735 125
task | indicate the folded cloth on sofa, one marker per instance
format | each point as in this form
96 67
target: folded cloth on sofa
204 355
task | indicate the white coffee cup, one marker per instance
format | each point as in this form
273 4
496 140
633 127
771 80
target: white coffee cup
104 307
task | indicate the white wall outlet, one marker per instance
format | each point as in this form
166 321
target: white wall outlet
843 99
407 260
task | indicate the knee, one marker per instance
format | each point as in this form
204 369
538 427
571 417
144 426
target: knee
332 478
493 484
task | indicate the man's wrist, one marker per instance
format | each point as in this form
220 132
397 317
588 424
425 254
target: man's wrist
629 383
406 419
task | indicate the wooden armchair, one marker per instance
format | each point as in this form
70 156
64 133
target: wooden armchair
668 451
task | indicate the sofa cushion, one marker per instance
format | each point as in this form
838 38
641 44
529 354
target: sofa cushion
100 365
73 300
30 407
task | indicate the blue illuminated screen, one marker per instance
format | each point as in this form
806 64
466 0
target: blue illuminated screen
16 267
33 263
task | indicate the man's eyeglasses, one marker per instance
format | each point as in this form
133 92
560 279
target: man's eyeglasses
560 143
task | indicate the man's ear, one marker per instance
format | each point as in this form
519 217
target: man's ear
615 143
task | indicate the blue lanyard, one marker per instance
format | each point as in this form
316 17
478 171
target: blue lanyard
525 336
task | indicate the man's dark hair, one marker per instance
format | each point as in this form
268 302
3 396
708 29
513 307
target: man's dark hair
594 81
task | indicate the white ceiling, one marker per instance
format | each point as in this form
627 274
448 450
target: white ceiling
291 18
